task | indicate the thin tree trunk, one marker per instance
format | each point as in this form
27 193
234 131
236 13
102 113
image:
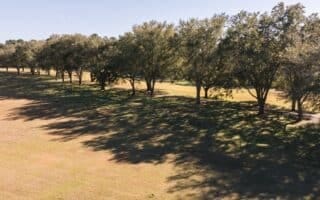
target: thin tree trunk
148 83
7 69
32 70
261 104
92 78
18 70
102 85
198 91
48 72
57 74
38 71
293 105
70 76
22 69
300 110
80 75
153 83
62 75
132 83
206 89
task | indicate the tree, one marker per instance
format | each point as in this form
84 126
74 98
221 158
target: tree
73 54
6 55
32 49
92 46
105 63
157 53
301 81
295 15
67 53
41 57
300 71
130 59
199 40
258 43
21 56
218 75
51 55
14 54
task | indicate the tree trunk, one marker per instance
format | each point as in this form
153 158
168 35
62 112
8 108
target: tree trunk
293 105
132 83
153 83
300 110
48 72
38 71
261 104
70 76
206 89
57 74
22 69
103 85
92 78
18 70
261 109
62 75
7 69
80 75
198 90
261 98
148 83
32 70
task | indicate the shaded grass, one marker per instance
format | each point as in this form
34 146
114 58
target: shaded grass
220 148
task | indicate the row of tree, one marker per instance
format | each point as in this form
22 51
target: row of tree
256 51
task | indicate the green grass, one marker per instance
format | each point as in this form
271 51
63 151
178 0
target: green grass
225 145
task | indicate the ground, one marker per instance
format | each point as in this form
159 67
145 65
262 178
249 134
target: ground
63 142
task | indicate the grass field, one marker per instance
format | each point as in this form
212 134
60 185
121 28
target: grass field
63 142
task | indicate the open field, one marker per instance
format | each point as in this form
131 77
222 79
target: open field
63 142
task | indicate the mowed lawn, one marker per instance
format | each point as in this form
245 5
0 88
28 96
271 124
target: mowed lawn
69 142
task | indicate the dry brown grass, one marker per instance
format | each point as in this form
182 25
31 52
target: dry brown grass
238 95
35 166
171 89
57 144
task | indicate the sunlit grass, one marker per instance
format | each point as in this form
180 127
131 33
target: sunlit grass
80 142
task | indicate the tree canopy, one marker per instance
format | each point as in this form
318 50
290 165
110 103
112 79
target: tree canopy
256 51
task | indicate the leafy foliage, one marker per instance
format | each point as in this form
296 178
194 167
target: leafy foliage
252 50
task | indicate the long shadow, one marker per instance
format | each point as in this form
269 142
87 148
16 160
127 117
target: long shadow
221 149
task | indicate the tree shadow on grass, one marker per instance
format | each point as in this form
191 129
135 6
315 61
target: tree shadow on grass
220 150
